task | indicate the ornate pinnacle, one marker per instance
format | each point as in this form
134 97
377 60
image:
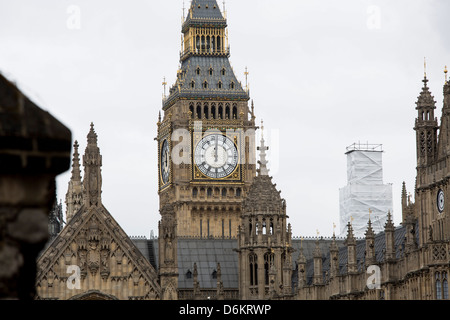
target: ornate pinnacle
369 232
389 224
350 235
76 172
92 136
263 171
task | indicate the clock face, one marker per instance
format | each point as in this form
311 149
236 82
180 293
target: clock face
165 167
440 201
216 156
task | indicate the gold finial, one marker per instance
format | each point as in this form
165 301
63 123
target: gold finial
370 212
301 242
246 73
334 227
351 219
317 231
445 71
164 84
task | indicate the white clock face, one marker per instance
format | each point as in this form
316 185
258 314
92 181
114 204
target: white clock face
216 156
165 166
441 201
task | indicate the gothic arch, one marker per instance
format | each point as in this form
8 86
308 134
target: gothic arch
93 295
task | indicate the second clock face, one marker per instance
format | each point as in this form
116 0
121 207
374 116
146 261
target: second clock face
165 162
440 201
216 156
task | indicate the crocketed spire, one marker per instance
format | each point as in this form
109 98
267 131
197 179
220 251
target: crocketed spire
263 195
425 98
92 161
369 232
74 195
76 171
263 171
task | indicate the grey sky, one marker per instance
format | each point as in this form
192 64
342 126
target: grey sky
323 75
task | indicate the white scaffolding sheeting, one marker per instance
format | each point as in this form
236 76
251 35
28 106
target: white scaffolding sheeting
364 191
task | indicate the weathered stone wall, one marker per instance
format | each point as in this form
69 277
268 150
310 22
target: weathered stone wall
34 149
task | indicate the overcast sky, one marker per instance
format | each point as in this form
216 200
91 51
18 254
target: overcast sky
323 75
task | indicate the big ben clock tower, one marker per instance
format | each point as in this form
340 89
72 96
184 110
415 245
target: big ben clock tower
206 137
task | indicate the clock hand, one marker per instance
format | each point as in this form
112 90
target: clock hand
215 154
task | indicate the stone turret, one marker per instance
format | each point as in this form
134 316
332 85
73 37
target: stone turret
301 262
334 258
351 250
264 238
318 274
389 230
370 245
92 182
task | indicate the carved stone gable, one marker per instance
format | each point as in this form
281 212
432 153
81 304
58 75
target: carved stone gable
93 253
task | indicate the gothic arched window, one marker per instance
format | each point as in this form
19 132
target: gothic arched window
194 192
191 109
220 115
234 112
227 112
438 286
253 261
213 111
268 261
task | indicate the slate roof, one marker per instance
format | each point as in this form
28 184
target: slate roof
204 12
380 245
204 63
206 253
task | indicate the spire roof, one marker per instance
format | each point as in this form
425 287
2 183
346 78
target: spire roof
389 226
76 171
370 233
263 195
425 98
92 136
263 171
204 11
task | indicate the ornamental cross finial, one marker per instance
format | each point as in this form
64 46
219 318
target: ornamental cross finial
246 73
164 85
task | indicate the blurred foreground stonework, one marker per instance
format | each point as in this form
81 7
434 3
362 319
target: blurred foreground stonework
34 148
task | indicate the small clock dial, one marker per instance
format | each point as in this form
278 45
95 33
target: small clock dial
216 156
440 201
165 162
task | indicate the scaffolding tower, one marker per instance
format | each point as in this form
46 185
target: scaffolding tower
365 196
